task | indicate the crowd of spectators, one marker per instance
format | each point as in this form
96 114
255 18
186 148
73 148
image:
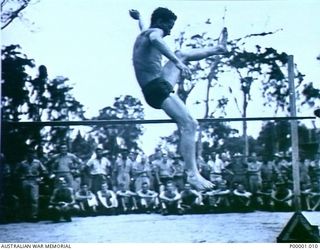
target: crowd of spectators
60 185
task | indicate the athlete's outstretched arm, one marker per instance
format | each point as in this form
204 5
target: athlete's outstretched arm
135 14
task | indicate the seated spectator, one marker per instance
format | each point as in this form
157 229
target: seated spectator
170 200
147 199
264 200
304 190
191 200
222 195
282 197
241 198
86 200
62 202
126 199
210 199
107 200
313 197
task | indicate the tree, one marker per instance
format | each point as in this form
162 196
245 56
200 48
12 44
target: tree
24 98
275 137
117 137
261 67
83 146
14 95
11 10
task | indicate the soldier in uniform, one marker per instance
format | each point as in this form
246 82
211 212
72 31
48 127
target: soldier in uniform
65 165
29 172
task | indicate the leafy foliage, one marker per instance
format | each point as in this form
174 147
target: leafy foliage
275 137
11 10
115 138
264 68
24 98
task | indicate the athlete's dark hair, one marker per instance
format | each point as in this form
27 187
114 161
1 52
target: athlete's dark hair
162 13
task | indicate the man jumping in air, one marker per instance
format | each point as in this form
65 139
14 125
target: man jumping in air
157 81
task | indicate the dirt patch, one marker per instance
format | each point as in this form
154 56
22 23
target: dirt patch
259 227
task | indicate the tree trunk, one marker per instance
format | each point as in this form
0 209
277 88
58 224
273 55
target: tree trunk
244 126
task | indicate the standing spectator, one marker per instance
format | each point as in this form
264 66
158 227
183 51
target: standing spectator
269 171
62 202
133 156
147 199
9 200
179 173
65 165
191 200
216 169
29 172
254 174
108 199
156 155
100 170
239 169
164 171
142 173
126 199
204 168
123 168
86 200
314 170
304 172
283 166
170 200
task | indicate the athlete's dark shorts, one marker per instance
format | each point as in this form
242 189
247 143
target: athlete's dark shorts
156 91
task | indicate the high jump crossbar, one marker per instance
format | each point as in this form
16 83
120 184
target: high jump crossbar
152 121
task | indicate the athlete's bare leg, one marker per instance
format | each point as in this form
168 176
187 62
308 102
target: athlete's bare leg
187 126
177 110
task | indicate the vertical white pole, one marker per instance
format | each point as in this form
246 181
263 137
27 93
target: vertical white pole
294 137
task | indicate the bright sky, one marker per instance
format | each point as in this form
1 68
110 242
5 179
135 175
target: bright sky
90 42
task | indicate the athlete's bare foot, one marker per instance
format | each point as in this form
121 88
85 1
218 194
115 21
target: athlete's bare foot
198 182
223 38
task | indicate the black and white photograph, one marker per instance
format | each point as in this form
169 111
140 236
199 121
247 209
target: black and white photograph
159 121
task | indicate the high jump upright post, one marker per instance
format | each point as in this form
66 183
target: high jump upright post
294 137
298 228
